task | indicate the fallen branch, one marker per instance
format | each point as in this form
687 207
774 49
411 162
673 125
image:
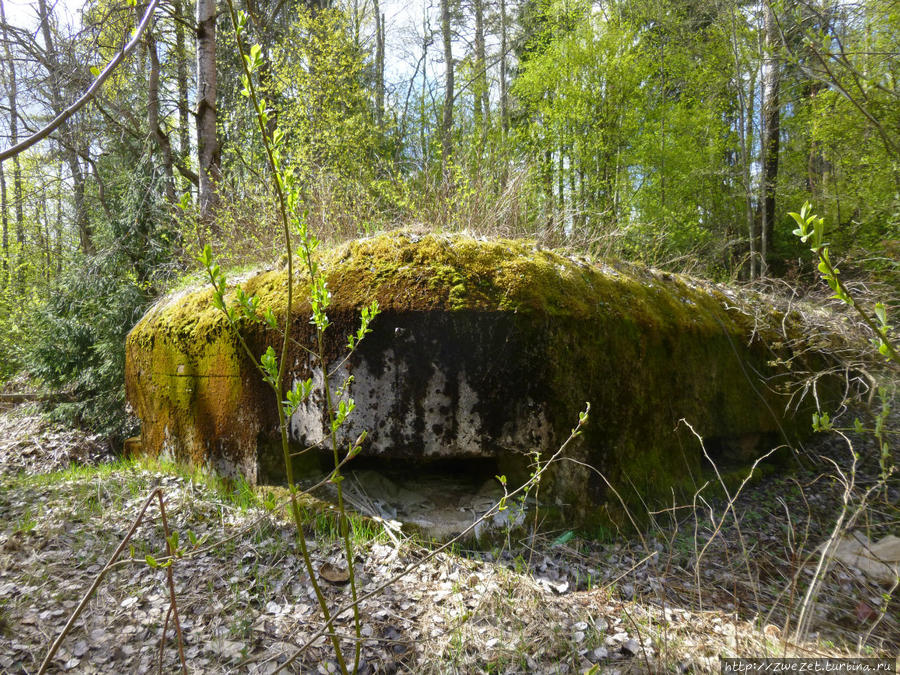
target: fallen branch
37 396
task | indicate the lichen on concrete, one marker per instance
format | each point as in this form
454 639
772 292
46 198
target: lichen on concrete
483 349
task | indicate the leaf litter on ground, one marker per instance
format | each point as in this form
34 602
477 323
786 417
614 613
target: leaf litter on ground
552 603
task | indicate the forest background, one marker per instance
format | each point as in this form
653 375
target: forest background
678 134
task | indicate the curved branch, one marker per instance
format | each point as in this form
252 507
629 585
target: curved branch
89 94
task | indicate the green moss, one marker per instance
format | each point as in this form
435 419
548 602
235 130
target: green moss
455 272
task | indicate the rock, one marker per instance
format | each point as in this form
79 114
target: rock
880 561
484 351
631 647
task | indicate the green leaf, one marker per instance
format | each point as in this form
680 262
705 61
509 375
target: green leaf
822 422
151 561
881 313
564 538
270 319
205 258
269 363
95 71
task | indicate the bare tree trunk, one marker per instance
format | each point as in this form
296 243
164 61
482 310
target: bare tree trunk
560 181
504 110
181 74
82 224
45 239
547 181
771 118
426 41
208 151
504 107
481 89
5 221
379 67
744 114
59 230
662 131
70 155
162 139
447 119
13 134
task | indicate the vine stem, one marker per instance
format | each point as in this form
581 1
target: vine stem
895 356
496 508
173 603
278 385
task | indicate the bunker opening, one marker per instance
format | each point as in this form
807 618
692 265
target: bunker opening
436 499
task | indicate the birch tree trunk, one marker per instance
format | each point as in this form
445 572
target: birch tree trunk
447 117
744 115
208 150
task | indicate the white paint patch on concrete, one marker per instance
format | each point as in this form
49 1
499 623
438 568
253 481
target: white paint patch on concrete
468 422
305 425
529 430
375 396
436 408
441 423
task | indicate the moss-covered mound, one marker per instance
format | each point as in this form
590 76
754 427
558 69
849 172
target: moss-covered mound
488 350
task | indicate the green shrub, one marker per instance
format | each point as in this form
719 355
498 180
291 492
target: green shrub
81 345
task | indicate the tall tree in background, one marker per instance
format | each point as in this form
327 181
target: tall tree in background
68 140
11 87
447 113
180 18
480 81
744 73
771 133
209 155
163 144
379 67
4 221
504 48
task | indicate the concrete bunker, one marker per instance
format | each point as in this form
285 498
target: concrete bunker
485 352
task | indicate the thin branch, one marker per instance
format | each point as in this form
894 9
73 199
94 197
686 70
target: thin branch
89 94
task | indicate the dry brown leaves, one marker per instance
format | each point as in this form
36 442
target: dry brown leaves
246 603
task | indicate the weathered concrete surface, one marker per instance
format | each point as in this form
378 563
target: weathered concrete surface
484 349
